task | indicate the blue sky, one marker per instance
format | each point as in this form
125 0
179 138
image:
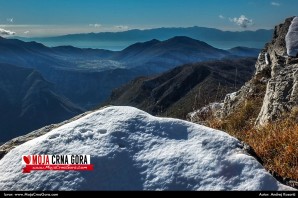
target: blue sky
55 17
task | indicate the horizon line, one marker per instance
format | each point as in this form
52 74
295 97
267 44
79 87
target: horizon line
120 31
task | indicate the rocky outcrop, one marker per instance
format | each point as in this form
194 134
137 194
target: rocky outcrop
202 115
282 87
275 70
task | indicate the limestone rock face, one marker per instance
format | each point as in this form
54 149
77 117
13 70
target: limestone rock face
275 70
282 87
281 94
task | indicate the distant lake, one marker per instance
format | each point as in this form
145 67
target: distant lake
118 46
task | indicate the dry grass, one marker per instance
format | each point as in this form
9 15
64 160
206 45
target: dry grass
276 144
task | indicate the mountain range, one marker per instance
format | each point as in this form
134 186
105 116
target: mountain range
57 83
87 76
119 40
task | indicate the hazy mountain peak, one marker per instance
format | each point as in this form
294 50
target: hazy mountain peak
184 39
142 45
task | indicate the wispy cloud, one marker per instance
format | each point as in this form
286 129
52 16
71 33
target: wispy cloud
221 16
6 32
242 21
10 20
275 4
27 32
96 25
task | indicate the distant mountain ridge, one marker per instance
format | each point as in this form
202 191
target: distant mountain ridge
255 39
176 43
163 55
195 32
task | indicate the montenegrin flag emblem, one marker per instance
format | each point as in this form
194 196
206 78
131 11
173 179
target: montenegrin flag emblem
56 163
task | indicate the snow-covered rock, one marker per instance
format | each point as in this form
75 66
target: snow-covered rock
292 38
132 150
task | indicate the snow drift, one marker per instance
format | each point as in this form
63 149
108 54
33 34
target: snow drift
132 150
292 38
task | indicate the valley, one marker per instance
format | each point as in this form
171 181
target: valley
87 77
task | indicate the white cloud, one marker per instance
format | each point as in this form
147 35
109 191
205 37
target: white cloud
221 16
27 32
10 20
96 25
242 21
6 32
275 3
122 27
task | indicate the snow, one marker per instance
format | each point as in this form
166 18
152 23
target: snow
132 150
292 38
260 55
267 58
